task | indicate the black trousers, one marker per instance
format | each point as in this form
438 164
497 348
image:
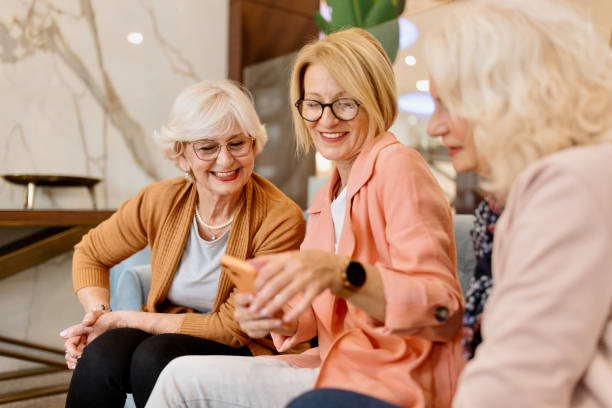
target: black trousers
123 361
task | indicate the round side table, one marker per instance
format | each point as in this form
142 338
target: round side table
31 181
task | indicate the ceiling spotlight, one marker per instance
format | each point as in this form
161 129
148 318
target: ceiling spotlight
135 38
410 60
423 85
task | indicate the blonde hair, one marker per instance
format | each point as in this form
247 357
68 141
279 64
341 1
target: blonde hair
531 77
209 109
357 61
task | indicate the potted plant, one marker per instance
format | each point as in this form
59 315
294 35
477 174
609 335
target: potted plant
379 17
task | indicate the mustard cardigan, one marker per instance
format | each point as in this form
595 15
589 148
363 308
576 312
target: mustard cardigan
160 215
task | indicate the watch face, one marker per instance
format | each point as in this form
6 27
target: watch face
355 274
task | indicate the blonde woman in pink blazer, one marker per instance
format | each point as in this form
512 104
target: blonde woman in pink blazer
375 279
523 93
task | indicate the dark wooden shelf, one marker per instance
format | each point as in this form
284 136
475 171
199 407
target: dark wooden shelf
59 231
52 218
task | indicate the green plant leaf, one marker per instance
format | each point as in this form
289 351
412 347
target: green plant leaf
400 5
343 14
387 34
383 10
321 22
362 8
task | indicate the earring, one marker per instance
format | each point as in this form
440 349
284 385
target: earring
188 176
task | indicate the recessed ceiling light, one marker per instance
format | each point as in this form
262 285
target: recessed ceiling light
423 85
410 60
135 38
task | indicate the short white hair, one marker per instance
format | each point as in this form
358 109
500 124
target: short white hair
531 77
209 109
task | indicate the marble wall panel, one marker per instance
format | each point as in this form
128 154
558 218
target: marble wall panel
76 98
79 99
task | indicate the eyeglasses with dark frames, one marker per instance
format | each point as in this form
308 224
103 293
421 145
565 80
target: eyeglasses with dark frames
208 150
343 109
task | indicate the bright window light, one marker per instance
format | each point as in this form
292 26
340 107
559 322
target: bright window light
408 33
325 10
418 103
324 166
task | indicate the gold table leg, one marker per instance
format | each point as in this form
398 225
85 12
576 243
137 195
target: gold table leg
29 196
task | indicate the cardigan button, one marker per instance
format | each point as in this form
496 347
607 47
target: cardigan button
441 313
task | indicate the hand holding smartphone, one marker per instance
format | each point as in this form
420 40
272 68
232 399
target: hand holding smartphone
242 273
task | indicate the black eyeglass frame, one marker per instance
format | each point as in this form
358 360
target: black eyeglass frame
325 105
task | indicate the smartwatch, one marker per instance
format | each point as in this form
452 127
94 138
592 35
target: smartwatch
353 276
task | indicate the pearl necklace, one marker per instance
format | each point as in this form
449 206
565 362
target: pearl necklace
212 227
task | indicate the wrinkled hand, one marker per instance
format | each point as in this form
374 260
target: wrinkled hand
258 325
74 348
80 335
281 277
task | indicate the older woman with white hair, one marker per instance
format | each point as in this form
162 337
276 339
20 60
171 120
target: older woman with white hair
220 206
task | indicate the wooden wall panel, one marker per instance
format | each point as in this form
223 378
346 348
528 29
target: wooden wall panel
265 29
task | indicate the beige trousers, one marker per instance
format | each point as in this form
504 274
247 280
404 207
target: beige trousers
230 381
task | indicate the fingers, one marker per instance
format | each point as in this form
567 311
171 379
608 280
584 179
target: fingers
276 275
260 327
253 324
74 349
76 330
242 313
242 299
289 291
292 314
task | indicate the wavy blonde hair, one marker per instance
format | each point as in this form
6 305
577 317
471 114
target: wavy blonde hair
531 77
357 61
209 109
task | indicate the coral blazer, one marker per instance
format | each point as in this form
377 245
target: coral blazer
398 219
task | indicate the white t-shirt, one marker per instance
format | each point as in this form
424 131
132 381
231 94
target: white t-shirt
338 208
196 280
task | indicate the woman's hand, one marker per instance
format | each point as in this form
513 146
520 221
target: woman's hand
80 335
257 325
75 344
283 276
74 348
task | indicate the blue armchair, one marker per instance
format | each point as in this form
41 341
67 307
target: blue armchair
130 281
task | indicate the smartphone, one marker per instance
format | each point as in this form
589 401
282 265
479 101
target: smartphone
242 274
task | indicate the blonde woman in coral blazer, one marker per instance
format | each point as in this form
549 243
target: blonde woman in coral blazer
375 278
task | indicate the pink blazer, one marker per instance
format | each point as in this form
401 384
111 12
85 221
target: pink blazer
397 219
547 326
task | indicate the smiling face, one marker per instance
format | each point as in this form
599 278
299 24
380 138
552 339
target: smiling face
224 176
337 140
455 133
